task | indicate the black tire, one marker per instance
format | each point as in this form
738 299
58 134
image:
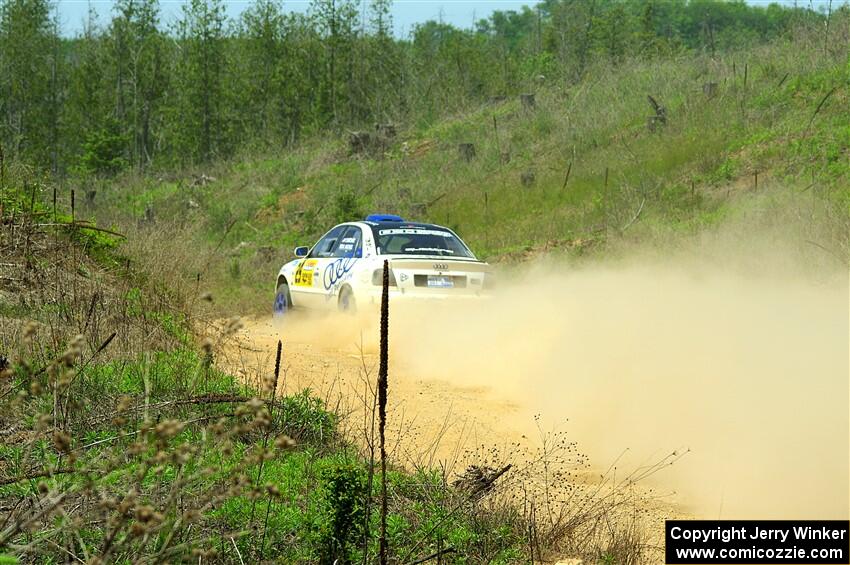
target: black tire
346 302
282 300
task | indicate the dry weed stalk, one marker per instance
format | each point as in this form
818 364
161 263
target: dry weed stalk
383 386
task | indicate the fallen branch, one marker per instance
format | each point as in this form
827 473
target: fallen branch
435 200
836 255
37 475
137 432
46 505
818 109
634 219
81 225
567 176
205 399
209 399
433 555
236 547
484 490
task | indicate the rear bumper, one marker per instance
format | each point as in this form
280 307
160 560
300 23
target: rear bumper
424 296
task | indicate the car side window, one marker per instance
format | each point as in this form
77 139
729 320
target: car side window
350 243
325 247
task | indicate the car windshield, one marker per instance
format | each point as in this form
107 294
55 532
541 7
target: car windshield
418 240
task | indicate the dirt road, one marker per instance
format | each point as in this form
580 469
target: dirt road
432 421
744 369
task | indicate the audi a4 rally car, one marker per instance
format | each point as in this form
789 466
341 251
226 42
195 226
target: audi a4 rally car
344 270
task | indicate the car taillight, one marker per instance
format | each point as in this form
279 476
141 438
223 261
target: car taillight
378 277
488 281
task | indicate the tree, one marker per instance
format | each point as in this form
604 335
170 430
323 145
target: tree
199 75
611 32
103 151
137 72
569 37
130 93
381 77
29 81
87 95
335 20
262 53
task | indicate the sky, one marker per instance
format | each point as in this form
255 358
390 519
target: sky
406 13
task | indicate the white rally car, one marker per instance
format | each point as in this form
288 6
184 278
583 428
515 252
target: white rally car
345 268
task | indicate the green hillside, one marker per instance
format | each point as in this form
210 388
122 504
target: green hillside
566 125
579 171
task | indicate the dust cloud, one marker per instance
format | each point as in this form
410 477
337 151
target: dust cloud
733 346
741 358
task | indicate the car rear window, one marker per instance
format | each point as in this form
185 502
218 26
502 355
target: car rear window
400 239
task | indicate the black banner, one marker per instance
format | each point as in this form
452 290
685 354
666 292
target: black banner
757 541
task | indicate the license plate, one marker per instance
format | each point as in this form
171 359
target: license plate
435 281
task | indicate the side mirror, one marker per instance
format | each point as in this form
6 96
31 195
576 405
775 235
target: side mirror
302 251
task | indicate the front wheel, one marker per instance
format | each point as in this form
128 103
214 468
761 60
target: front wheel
282 300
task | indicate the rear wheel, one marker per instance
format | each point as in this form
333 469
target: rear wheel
346 300
282 300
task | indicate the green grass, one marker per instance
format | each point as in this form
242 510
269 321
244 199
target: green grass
317 508
303 504
171 373
315 488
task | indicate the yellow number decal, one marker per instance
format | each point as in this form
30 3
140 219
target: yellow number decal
304 272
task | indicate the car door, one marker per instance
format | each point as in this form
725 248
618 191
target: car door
306 288
346 254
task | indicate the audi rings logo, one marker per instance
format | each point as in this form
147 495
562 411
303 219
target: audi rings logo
440 267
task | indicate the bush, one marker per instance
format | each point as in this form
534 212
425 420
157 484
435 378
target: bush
345 492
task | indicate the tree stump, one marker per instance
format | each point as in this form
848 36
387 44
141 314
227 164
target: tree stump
709 89
265 253
527 178
387 131
654 123
527 101
361 142
201 180
418 209
466 151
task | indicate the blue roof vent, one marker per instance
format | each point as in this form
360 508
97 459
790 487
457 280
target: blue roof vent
384 218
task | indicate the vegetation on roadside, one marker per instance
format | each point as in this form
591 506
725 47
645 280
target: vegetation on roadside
123 440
